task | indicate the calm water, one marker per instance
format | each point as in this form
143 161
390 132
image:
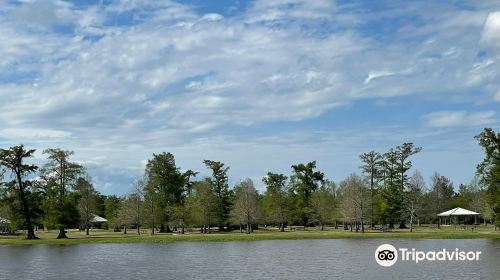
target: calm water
278 259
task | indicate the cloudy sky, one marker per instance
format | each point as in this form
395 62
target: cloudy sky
259 85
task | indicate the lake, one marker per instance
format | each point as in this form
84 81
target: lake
274 259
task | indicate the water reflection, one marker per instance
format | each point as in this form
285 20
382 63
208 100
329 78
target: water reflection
277 259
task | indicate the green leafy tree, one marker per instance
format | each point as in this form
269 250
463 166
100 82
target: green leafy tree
371 167
403 154
204 204
323 204
220 187
167 182
22 197
182 210
276 200
390 195
441 193
113 205
64 174
305 180
489 169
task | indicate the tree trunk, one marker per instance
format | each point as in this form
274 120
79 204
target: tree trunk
62 234
402 223
282 227
87 230
124 229
27 218
138 228
31 233
321 226
411 223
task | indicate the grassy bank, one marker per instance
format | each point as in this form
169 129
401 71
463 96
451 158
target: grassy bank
101 236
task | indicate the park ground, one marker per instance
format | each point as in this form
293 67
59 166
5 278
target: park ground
105 236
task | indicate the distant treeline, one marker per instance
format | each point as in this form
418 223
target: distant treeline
165 198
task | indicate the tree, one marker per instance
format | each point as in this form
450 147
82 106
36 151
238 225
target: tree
477 201
63 173
182 210
403 153
246 205
371 167
112 206
219 183
354 197
305 180
150 209
188 184
276 200
414 197
137 199
204 203
441 192
24 201
86 202
489 169
323 203
127 212
164 178
390 195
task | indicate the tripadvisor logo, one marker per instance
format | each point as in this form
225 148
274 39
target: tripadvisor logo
387 255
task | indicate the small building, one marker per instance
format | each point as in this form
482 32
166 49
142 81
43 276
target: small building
98 221
455 214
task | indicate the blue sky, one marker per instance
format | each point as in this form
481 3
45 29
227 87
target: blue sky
259 85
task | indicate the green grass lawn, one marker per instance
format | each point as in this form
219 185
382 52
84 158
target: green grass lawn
103 236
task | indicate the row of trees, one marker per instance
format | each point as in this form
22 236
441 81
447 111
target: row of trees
60 194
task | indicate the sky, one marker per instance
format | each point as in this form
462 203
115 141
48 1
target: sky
259 85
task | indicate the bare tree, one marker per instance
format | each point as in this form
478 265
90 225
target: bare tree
86 202
354 200
414 197
130 211
246 206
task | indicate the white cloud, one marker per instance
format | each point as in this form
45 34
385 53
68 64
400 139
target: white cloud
378 74
459 118
490 35
33 133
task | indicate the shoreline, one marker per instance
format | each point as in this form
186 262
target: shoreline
106 237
